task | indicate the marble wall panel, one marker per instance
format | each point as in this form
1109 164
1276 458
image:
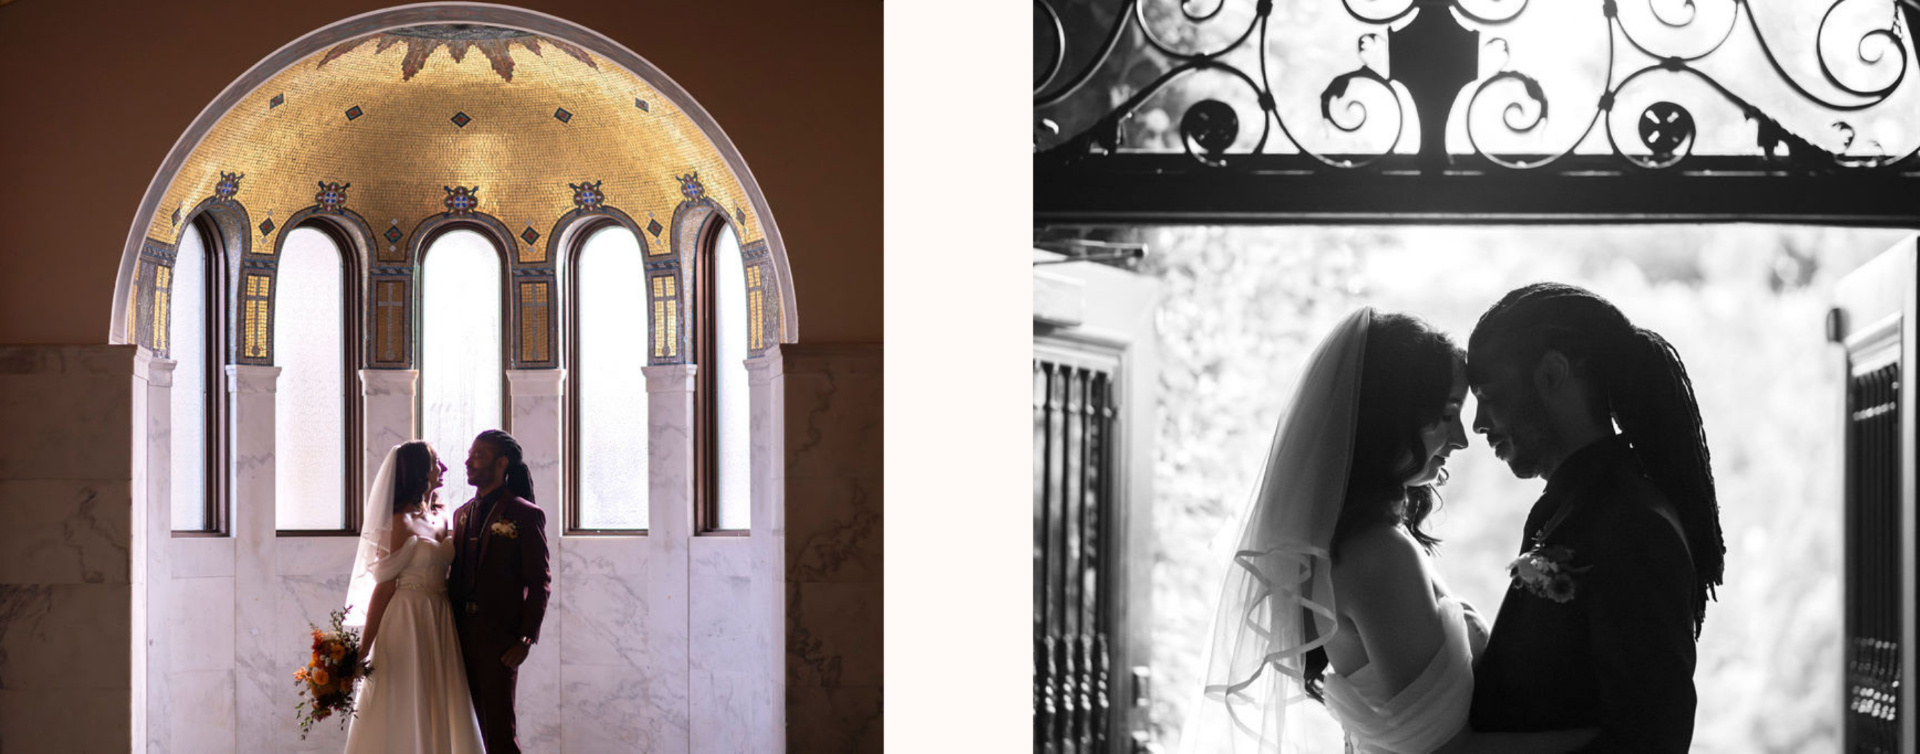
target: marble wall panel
202 712
387 400
834 529
605 709
201 557
727 715
719 611
70 408
151 552
606 622
832 401
201 615
834 635
66 636
315 556
831 544
842 720
259 677
65 720
602 556
66 531
535 422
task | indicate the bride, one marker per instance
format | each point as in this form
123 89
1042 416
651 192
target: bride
415 699
1330 596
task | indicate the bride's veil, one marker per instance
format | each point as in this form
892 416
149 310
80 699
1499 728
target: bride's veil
376 528
1281 567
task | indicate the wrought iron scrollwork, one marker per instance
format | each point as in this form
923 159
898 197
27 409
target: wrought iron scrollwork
1675 82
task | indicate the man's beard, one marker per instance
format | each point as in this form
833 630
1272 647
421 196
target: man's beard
1531 440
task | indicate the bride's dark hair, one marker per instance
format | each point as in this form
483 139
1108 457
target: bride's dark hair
412 475
1406 376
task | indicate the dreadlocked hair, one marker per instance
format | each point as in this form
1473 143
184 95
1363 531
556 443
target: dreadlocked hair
1639 380
1406 375
519 479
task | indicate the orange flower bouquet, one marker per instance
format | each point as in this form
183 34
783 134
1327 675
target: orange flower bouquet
327 681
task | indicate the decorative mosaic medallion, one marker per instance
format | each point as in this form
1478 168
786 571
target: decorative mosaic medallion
461 200
739 215
332 196
654 227
393 234
266 227
562 115
176 215
228 186
587 196
278 100
529 235
354 112
691 188
461 119
642 104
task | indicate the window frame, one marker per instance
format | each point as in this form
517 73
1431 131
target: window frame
502 298
573 491
706 403
352 342
217 495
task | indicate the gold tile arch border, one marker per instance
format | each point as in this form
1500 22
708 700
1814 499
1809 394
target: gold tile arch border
193 169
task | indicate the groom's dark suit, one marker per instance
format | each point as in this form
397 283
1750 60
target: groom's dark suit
1618 655
498 587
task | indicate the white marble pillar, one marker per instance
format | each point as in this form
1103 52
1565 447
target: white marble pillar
389 406
153 537
535 410
768 594
259 674
670 526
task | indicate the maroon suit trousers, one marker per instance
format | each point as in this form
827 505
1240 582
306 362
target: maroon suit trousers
491 683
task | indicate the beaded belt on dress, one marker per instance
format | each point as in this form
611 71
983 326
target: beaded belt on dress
419 586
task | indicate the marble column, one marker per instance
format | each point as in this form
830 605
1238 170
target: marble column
388 404
831 401
153 522
259 673
66 576
535 410
767 590
670 527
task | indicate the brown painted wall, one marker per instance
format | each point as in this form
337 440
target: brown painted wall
97 93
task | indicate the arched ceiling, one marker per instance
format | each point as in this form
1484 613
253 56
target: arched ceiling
397 118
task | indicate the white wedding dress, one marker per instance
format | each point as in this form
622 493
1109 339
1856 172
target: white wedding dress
416 700
1279 586
1425 714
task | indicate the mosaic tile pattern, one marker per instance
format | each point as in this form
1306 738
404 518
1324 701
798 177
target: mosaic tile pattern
306 123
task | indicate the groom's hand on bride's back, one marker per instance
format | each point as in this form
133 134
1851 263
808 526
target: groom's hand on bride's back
1477 629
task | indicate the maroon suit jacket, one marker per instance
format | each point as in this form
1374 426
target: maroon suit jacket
506 576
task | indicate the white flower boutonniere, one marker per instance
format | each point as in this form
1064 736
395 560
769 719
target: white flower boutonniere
1546 571
505 529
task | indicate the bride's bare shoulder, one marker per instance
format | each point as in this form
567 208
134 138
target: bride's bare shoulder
1376 555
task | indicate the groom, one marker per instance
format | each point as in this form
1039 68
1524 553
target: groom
500 581
1622 550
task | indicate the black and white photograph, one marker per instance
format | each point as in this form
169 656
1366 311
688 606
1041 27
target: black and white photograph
1463 376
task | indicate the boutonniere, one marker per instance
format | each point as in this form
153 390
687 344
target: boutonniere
505 529
1546 571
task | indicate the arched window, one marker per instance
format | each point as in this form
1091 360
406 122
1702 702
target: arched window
610 430
721 341
188 295
462 385
313 416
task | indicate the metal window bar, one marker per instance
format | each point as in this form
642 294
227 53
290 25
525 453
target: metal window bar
1073 423
1873 572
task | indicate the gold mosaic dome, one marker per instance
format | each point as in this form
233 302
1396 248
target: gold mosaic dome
404 129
